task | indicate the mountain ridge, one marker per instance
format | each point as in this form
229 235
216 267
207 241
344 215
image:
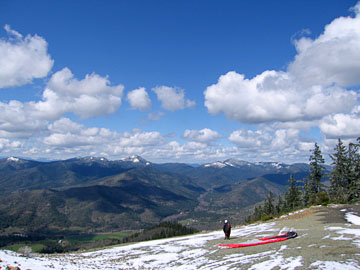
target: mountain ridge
94 193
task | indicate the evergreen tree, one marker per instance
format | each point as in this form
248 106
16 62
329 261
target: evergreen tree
353 174
338 176
269 208
316 170
357 168
258 212
306 193
292 196
280 205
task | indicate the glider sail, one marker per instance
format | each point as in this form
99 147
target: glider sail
265 240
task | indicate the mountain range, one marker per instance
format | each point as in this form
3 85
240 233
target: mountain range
95 194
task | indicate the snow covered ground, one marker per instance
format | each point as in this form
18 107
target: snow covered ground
201 251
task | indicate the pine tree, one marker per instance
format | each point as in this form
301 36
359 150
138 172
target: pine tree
316 170
280 205
357 169
353 173
269 208
292 196
258 213
338 176
306 193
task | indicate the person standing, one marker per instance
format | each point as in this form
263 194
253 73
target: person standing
227 229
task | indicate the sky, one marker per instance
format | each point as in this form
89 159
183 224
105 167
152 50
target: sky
178 81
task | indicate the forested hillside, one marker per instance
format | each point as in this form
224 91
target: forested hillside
344 184
97 195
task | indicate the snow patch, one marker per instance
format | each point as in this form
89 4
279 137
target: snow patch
14 159
292 213
216 164
134 159
276 165
330 265
351 234
280 262
352 218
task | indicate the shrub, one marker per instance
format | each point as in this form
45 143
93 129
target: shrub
26 251
52 247
266 218
320 198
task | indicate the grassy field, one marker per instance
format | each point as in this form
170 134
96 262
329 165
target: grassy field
97 237
73 242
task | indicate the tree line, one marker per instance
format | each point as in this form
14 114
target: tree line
162 230
50 246
344 184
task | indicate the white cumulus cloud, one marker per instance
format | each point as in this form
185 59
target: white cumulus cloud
341 126
89 97
274 96
245 138
205 135
284 138
23 59
17 120
334 57
66 134
141 138
92 96
312 87
271 143
139 99
6 144
172 98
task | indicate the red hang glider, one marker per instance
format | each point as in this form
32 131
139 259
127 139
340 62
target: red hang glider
262 241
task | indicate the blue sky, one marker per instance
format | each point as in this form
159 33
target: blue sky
178 81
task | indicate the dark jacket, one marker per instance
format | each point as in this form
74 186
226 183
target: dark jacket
227 228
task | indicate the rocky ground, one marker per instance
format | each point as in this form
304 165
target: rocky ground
328 238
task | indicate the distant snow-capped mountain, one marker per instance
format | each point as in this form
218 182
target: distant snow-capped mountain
94 159
13 159
12 163
218 164
237 163
136 159
276 165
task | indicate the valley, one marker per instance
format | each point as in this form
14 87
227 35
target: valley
95 195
